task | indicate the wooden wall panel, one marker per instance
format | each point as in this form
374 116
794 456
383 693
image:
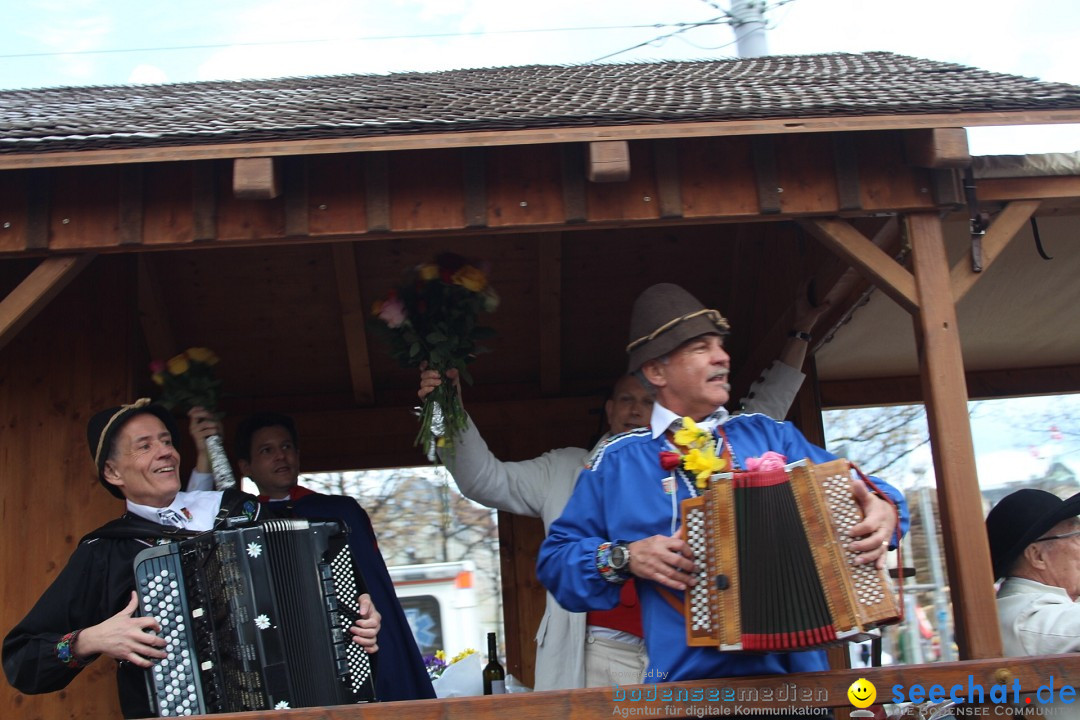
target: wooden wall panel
427 190
336 196
886 181
13 211
806 171
71 361
635 199
246 219
524 186
717 177
168 216
84 207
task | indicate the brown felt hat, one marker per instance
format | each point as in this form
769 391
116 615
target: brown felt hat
103 426
664 317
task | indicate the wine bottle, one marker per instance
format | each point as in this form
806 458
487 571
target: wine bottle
494 675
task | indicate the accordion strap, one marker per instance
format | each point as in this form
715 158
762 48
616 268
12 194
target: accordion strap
673 601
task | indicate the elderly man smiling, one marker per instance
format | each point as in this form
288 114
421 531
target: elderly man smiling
88 610
622 519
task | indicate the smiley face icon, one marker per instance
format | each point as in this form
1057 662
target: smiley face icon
862 693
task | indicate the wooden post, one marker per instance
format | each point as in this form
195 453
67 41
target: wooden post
967 551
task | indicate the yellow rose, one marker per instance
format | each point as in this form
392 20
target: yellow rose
428 271
203 355
702 464
178 365
690 436
470 278
158 378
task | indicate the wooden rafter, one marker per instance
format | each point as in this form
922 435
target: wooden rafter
38 288
353 319
847 242
997 238
549 269
153 315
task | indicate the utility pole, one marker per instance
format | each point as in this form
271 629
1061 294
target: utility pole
748 20
941 605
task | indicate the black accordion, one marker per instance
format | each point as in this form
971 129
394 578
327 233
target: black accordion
255 618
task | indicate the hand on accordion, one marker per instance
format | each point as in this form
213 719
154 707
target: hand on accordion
124 638
663 559
876 529
365 628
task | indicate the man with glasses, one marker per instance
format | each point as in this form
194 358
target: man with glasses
1035 545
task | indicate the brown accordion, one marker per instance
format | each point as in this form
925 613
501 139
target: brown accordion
774 571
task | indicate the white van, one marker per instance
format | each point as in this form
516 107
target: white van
441 606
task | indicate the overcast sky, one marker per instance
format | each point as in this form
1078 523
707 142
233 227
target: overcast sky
49 43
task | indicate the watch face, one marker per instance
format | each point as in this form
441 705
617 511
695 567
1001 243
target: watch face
619 559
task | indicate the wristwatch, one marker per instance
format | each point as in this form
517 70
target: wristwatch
620 557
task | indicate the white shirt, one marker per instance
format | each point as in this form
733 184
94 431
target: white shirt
202 506
663 419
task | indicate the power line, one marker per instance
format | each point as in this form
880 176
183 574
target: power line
720 20
217 46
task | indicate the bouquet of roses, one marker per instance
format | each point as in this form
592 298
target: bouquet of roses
431 317
187 380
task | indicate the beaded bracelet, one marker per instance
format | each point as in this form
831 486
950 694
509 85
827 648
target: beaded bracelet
64 652
603 565
800 335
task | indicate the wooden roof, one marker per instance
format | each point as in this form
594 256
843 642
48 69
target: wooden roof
825 88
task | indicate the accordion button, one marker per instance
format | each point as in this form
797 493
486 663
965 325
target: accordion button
722 582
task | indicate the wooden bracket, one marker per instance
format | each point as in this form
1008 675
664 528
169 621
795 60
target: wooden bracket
609 161
997 238
256 178
35 292
937 148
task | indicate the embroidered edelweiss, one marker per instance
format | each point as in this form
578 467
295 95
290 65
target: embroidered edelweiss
254 549
262 622
283 705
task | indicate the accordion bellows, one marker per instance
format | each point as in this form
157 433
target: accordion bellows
774 569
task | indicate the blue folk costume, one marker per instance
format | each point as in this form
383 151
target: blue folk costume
621 496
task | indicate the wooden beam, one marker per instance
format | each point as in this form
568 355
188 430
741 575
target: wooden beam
846 160
533 136
575 209
981 385
475 180
847 242
38 188
297 210
129 223
153 313
377 191
609 161
256 178
549 284
1002 231
36 291
937 147
714 697
763 150
204 201
353 319
668 178
1033 188
967 551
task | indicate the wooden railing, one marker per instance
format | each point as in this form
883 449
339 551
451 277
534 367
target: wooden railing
710 698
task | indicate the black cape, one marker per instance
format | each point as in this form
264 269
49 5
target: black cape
95 585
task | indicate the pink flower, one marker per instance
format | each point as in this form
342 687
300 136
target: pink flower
768 461
157 366
392 312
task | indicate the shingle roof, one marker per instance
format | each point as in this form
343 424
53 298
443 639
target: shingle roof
510 98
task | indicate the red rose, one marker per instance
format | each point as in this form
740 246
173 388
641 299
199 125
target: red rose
670 460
